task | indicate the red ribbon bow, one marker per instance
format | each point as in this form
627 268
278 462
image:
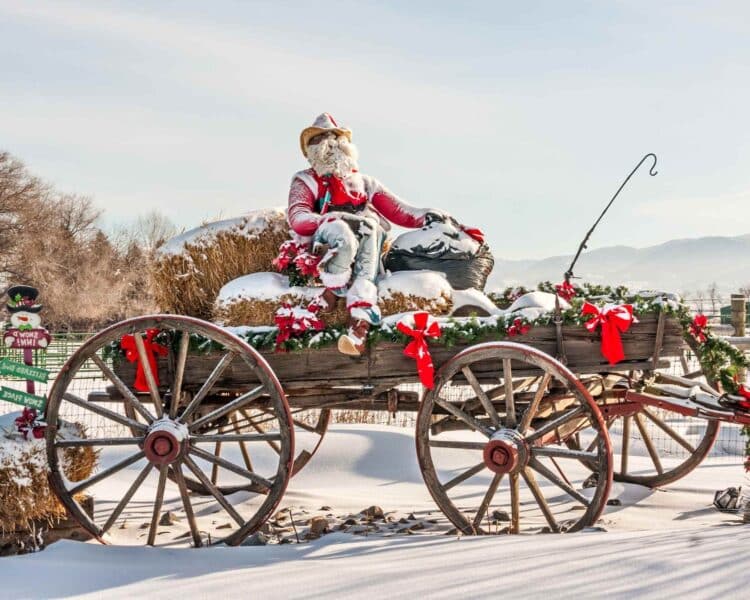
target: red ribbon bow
698 328
417 348
566 291
614 321
153 350
474 233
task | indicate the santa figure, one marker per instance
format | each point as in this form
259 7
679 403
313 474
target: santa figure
346 214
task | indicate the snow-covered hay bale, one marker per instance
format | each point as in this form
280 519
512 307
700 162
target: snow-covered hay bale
191 268
254 299
406 291
25 495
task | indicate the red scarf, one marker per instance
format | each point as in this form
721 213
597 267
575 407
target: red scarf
338 195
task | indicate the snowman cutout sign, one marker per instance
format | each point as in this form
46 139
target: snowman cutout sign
25 329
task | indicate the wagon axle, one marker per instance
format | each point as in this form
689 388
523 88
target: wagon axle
166 441
506 452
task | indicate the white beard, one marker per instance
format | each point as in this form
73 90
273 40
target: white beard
333 156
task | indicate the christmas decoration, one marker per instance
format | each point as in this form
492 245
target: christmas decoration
613 320
294 322
153 349
698 327
566 291
417 348
519 327
28 423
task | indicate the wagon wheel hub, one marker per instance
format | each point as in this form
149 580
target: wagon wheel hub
506 452
166 441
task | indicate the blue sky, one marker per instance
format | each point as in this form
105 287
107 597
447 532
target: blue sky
520 118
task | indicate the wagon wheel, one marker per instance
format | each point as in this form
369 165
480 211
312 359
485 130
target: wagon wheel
484 445
169 447
672 445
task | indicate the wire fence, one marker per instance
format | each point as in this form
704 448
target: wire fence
729 446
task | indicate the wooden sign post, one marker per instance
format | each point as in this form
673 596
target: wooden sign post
25 333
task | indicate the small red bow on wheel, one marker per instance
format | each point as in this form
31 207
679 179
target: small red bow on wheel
614 321
418 349
153 350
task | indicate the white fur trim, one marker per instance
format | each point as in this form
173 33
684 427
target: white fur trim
335 280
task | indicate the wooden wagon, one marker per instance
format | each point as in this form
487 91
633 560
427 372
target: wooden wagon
522 429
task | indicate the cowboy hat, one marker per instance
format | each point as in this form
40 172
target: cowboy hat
322 124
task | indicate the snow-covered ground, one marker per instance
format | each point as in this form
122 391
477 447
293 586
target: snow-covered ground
656 543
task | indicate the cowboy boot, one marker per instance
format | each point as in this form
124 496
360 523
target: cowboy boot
325 302
353 341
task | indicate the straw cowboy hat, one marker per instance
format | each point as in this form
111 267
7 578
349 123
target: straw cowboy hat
323 124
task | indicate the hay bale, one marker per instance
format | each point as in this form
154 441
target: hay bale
190 269
406 291
25 495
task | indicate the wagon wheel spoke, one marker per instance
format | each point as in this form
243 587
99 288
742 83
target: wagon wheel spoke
260 430
530 479
124 390
131 441
485 401
487 500
150 380
468 474
668 430
515 504
555 423
466 418
219 369
127 497
104 412
510 403
243 445
625 445
215 466
262 481
187 506
179 374
552 478
648 442
214 491
557 452
531 411
457 445
101 475
236 404
157 502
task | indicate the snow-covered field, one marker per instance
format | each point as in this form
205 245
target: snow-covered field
656 543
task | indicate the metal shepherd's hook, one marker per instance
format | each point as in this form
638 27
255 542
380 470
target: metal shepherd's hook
651 171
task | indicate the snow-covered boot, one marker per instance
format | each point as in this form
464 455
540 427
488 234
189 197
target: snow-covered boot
353 341
325 302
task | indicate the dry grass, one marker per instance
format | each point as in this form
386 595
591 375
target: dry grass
25 495
188 283
398 303
256 312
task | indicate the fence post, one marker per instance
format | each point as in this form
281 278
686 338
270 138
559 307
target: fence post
739 315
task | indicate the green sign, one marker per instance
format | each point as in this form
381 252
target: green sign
22 398
15 369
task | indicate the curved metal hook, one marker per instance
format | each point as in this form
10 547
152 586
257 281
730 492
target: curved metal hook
652 171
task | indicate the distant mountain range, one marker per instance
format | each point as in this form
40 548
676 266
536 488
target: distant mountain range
683 265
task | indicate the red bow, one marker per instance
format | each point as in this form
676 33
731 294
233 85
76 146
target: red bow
745 393
566 291
474 233
153 350
698 328
418 349
614 321
27 422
